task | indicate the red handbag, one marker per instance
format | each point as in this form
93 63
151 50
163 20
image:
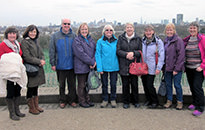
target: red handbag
140 68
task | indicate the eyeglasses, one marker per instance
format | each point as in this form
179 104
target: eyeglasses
66 23
109 30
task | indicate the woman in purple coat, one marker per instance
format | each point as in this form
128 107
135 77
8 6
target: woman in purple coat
174 65
84 60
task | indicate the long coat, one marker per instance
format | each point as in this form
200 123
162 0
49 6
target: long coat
32 54
123 46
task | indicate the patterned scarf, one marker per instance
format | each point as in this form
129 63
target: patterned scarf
15 48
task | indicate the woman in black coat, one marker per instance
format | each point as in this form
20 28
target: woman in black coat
128 47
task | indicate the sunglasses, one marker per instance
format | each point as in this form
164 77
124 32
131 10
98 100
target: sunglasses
66 23
109 30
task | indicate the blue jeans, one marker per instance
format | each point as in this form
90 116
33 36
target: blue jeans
169 78
113 81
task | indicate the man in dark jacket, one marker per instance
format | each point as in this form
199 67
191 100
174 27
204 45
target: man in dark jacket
61 60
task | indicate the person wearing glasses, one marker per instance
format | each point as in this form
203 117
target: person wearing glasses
61 60
84 60
128 47
107 63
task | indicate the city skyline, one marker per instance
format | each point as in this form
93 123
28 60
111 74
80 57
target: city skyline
41 13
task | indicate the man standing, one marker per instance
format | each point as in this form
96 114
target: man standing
61 60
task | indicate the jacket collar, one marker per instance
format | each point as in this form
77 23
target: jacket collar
124 37
199 37
70 31
173 39
112 39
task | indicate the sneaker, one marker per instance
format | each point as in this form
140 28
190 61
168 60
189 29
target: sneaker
191 107
74 105
137 105
113 104
62 105
179 105
168 104
90 103
84 105
104 104
126 106
196 113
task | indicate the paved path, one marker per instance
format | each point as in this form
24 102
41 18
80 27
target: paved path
97 118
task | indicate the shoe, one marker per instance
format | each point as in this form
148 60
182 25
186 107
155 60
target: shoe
74 105
90 103
147 103
197 113
32 108
179 105
62 105
126 106
104 104
84 105
113 104
36 103
191 107
153 106
137 105
168 104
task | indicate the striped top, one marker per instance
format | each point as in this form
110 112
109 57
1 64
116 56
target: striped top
193 54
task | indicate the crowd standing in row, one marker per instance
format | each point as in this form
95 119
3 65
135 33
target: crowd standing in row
74 55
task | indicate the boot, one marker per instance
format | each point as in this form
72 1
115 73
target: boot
32 108
16 105
36 104
179 105
12 114
168 104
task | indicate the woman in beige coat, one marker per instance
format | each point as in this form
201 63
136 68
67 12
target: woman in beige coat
32 54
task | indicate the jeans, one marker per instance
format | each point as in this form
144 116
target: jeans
62 76
169 78
13 90
113 81
149 89
126 82
195 80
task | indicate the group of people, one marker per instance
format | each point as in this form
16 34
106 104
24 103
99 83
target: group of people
74 55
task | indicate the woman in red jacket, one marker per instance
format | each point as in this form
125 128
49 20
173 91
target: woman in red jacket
195 65
10 44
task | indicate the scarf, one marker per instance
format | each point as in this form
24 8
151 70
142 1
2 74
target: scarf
15 48
129 38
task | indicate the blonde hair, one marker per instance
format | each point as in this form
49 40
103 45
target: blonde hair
108 26
170 25
129 23
82 25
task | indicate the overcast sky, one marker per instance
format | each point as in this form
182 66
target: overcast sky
43 12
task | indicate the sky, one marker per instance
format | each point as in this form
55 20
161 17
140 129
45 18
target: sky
43 12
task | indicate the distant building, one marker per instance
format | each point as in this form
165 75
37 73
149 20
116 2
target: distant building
135 23
174 21
179 19
166 21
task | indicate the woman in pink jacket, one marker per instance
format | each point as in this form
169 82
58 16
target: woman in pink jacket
195 65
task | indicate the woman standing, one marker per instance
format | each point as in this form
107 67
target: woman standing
195 65
128 47
107 63
150 45
10 44
174 65
84 60
32 54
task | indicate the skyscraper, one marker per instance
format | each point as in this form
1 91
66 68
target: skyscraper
179 19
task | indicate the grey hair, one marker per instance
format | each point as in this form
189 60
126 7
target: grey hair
108 26
129 23
149 26
195 24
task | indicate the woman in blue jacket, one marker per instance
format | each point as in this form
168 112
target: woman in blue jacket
84 60
107 63
150 45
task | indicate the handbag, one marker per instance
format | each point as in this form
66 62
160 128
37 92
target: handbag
31 70
93 81
162 91
140 68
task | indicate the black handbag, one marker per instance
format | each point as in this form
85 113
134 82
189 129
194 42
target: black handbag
31 70
162 91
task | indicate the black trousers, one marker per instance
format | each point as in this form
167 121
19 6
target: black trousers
195 80
32 92
149 89
13 90
126 82
69 76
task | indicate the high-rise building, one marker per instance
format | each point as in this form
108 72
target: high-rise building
179 19
174 21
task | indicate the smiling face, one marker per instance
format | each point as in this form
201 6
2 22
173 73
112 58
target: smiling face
170 32
148 33
12 36
108 32
32 34
129 30
84 31
193 30
65 25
